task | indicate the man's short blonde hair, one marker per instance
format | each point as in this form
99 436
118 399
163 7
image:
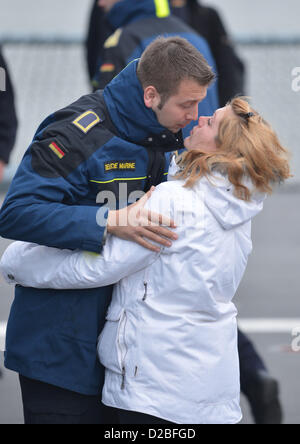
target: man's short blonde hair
168 61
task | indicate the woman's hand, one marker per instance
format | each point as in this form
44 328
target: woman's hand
137 224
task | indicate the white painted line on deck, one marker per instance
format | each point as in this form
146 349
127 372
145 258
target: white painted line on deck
2 335
269 325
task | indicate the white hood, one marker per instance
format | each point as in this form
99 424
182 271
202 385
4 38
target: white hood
229 210
219 198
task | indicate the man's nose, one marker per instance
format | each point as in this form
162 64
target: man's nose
193 114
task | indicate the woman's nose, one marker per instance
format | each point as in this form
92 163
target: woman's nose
203 121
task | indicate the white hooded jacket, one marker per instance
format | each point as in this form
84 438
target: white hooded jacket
170 341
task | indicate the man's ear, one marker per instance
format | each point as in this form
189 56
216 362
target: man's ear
151 97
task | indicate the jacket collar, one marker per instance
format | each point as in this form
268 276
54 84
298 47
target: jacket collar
128 11
124 98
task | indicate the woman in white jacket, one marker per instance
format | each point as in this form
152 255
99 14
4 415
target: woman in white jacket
169 345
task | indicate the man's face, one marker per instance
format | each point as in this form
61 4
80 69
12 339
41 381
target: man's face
181 108
107 4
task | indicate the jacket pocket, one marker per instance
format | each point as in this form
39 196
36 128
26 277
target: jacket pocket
112 347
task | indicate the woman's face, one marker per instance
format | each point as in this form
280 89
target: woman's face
203 136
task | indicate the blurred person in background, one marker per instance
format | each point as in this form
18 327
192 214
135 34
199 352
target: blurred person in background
98 32
136 24
260 388
205 20
8 118
208 23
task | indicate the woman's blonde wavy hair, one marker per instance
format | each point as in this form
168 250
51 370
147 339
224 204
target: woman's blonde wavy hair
247 147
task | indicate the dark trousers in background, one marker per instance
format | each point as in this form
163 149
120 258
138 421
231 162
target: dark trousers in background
250 361
46 404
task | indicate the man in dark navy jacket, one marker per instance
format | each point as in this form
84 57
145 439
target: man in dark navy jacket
92 150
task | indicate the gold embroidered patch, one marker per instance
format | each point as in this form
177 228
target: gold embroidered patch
119 166
86 121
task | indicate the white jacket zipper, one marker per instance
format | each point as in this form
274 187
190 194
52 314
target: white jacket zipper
146 291
123 348
123 378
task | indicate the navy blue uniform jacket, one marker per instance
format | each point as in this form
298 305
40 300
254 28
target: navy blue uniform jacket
102 141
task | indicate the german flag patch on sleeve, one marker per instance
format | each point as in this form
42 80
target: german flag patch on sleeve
86 121
107 67
57 150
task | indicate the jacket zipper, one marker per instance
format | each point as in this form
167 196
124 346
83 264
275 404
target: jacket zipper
123 378
123 360
155 169
125 353
146 291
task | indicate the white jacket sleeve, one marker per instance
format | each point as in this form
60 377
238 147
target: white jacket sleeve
32 265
